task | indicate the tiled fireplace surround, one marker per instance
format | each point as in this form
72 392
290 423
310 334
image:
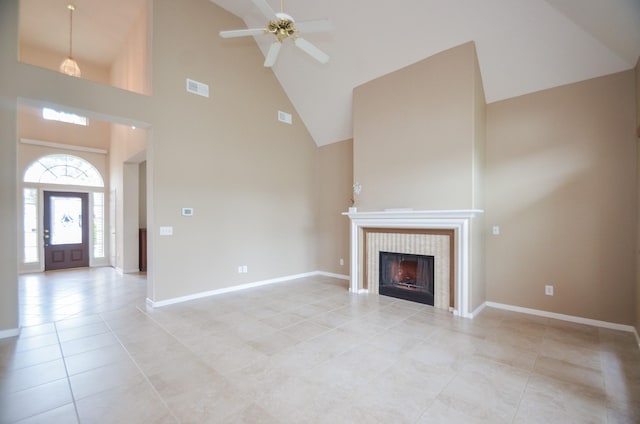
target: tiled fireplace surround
445 234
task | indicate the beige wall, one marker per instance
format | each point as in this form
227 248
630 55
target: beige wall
8 169
132 68
249 178
637 75
335 180
561 183
414 134
478 228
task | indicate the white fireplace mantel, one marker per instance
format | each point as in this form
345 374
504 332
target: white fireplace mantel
458 220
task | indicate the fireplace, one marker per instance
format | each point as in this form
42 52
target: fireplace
407 276
452 251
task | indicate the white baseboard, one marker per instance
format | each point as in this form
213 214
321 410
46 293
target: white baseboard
332 275
477 311
13 332
216 292
563 317
359 291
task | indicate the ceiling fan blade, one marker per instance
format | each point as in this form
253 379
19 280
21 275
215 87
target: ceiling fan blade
311 50
266 9
242 32
272 54
321 25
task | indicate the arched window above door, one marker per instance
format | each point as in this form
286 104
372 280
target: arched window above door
63 169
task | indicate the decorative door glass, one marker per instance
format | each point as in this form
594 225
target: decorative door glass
66 220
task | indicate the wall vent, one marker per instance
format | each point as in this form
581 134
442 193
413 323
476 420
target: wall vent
199 88
284 117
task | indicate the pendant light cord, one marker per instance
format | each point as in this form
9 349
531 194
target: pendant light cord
71 9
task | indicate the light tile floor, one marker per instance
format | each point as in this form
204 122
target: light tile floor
304 351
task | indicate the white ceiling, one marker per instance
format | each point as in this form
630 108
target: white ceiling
523 45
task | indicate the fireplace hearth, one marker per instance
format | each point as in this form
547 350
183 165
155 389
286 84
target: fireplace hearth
407 276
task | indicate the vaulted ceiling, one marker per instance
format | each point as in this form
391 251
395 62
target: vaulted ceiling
523 45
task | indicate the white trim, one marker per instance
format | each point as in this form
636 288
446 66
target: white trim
563 317
478 310
411 214
13 332
331 274
62 146
209 293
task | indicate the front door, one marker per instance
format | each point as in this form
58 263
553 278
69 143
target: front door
66 230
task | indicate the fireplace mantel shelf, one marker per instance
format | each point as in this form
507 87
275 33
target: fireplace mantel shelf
414 214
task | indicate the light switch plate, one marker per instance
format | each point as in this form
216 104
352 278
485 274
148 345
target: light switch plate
166 231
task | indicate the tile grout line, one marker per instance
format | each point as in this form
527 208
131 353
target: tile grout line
66 370
524 389
144 375
530 375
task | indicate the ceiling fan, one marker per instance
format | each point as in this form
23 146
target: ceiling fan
283 26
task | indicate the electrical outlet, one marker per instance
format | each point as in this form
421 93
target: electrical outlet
341 262
548 290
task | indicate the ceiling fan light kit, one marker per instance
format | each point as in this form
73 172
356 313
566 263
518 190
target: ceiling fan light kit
283 26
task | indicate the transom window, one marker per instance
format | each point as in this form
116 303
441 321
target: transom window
63 169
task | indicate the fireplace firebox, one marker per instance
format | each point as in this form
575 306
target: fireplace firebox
407 276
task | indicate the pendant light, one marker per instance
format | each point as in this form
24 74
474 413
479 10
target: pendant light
70 66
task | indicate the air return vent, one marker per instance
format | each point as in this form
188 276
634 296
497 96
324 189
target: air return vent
199 88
